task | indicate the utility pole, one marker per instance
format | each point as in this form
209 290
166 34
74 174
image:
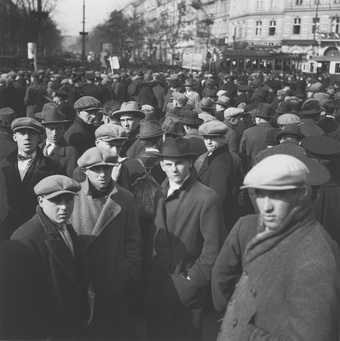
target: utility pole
316 23
83 37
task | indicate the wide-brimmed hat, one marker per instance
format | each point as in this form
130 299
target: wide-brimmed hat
149 129
310 107
265 111
188 83
321 147
129 108
189 117
177 148
52 115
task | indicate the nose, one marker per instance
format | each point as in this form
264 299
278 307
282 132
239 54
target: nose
267 204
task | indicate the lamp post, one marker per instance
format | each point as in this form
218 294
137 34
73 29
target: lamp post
83 35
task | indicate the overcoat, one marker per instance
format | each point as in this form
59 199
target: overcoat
62 299
289 287
65 155
20 197
111 250
80 135
253 140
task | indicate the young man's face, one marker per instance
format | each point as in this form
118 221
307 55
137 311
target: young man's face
54 133
100 176
176 170
275 206
128 122
58 209
214 142
27 140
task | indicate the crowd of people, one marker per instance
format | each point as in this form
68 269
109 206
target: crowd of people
168 206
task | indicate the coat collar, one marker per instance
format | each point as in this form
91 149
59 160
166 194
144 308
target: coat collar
185 187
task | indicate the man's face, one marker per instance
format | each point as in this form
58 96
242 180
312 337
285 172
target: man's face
89 117
213 142
127 122
58 209
100 177
27 140
275 206
54 133
176 170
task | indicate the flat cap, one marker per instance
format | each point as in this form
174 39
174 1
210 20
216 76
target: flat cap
232 112
286 119
96 157
322 147
55 185
87 103
7 113
277 172
205 117
213 128
27 123
110 132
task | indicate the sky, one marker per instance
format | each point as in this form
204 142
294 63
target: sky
68 13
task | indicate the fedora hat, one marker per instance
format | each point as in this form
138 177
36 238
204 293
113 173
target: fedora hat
265 111
52 115
310 107
290 130
189 117
177 148
128 108
149 129
188 82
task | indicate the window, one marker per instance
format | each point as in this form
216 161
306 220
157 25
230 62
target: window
316 23
259 4
335 24
337 67
272 28
297 25
258 30
298 2
337 1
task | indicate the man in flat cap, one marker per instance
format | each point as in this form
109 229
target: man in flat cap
80 134
233 119
215 168
105 218
55 146
285 263
21 171
189 227
62 300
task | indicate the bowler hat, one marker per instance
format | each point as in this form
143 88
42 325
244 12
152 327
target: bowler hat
322 147
128 108
189 117
265 111
177 148
87 103
55 185
110 132
52 115
310 107
27 123
188 83
94 157
149 129
213 128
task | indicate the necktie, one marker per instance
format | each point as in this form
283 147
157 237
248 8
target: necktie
24 158
67 238
49 149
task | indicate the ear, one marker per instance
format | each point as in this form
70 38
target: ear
40 200
14 137
162 165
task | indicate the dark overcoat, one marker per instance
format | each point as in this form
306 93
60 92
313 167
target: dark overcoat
80 135
289 288
253 140
66 156
7 144
62 299
20 198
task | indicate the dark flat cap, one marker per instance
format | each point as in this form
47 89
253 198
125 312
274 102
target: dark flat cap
7 112
27 123
87 103
150 129
55 185
322 147
110 132
94 157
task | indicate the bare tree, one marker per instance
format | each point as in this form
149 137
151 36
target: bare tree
30 6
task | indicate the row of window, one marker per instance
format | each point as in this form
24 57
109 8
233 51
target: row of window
260 3
335 26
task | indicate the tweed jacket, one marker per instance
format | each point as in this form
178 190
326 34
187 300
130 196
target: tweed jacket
289 287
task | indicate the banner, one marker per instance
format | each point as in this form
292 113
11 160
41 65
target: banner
31 50
114 63
192 61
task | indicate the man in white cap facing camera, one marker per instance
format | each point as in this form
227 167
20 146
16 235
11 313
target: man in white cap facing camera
288 280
